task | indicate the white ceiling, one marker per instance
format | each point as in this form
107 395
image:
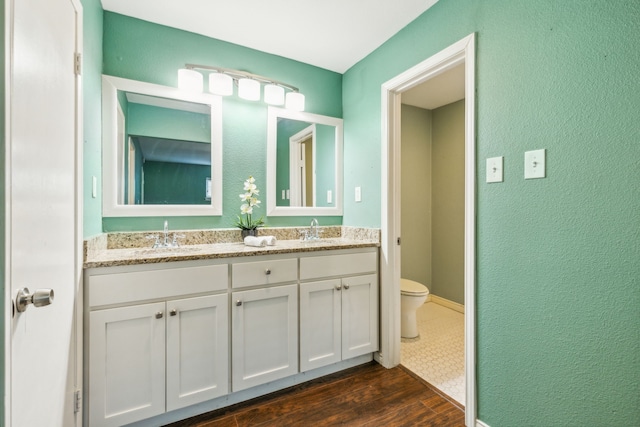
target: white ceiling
439 90
331 34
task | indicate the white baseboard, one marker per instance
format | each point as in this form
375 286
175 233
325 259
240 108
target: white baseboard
446 303
481 424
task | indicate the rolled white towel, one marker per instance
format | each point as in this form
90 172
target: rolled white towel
255 241
271 240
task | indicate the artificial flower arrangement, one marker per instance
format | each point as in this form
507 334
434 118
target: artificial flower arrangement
245 222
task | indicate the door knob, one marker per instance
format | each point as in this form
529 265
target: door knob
39 298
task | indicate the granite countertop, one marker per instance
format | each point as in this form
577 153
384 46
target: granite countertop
123 252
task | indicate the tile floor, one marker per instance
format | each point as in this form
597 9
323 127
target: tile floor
437 355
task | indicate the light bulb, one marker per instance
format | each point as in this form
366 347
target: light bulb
274 94
295 101
249 89
190 80
220 84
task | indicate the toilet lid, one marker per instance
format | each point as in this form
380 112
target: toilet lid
410 287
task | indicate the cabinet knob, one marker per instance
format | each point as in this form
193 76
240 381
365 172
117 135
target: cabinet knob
338 287
346 286
159 315
173 312
238 303
267 271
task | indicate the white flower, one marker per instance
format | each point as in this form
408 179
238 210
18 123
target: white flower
251 179
254 202
246 209
244 197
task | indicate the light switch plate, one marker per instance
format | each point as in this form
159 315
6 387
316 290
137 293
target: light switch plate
494 169
94 187
358 194
329 196
534 164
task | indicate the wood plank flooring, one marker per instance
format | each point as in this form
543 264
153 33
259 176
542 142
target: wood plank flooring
367 395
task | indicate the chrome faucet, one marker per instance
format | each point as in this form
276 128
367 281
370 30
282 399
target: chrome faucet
313 233
165 243
313 229
166 234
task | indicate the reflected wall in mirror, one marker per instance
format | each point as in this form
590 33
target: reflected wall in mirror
162 150
304 164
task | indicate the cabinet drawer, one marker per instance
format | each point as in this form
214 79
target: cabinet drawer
338 265
264 272
127 287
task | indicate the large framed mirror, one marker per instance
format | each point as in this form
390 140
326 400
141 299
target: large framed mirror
304 164
161 150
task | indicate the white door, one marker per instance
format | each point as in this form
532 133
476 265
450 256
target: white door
359 315
320 324
42 205
264 335
197 350
127 364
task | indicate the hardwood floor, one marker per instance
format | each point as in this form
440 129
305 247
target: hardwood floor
367 395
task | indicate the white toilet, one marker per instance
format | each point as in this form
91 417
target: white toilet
412 296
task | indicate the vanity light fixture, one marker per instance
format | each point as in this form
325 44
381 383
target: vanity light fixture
221 82
295 101
190 80
273 94
249 89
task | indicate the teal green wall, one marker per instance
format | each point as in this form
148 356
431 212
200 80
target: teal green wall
153 53
285 129
92 110
147 120
179 183
558 277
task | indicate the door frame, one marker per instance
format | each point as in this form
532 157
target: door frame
461 52
78 208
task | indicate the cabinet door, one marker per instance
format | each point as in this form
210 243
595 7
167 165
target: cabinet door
359 315
264 335
320 324
126 364
197 350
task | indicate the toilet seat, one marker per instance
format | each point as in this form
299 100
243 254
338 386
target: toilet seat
412 288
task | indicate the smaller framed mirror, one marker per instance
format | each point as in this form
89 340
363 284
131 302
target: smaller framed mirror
304 164
161 150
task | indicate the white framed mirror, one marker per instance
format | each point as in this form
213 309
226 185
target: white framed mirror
304 164
161 150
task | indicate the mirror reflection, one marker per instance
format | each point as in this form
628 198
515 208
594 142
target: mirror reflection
304 164
166 150
162 150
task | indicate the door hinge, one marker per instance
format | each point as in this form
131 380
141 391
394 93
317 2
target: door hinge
398 241
78 63
77 401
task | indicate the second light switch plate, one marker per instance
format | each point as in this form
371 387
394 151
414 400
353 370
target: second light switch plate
494 169
534 164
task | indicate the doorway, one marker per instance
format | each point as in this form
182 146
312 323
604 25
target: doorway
461 52
432 220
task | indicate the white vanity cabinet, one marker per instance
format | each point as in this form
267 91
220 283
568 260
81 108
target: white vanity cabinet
339 315
157 339
264 321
